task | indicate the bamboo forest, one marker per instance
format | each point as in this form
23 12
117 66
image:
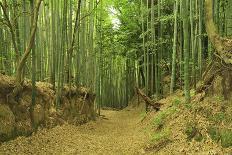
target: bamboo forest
118 77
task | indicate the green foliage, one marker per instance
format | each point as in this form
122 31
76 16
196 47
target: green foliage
162 135
176 102
188 105
214 133
218 117
166 19
226 138
219 98
143 115
223 135
192 91
192 132
161 117
199 137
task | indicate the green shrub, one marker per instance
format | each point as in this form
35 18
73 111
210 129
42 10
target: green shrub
214 133
162 135
192 132
143 115
192 92
176 102
226 138
198 137
218 117
188 105
219 98
160 118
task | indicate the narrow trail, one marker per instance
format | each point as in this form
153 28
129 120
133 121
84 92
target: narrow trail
118 132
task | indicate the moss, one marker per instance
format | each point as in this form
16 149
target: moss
217 118
143 115
214 133
192 92
188 105
226 138
176 102
162 135
190 131
193 132
219 98
199 137
224 135
160 118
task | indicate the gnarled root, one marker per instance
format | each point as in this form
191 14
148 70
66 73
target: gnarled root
217 68
11 97
148 101
212 70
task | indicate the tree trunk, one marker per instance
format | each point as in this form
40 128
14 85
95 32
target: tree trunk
186 50
19 80
223 46
173 78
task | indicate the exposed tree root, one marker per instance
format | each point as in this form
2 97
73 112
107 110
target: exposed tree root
212 70
148 101
217 68
15 92
223 60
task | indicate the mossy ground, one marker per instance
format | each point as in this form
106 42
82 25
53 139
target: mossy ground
198 128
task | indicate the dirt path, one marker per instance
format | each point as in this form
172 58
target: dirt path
119 132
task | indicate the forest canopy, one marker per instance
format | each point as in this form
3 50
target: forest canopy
161 45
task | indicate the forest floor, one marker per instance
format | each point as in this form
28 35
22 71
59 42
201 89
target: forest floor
116 132
178 128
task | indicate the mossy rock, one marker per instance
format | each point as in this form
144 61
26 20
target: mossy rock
7 122
226 138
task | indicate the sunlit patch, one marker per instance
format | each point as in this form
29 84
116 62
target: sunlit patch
113 13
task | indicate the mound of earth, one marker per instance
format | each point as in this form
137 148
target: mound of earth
202 127
23 118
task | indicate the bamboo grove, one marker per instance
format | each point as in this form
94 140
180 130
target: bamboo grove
110 46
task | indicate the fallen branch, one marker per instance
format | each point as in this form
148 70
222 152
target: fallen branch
148 101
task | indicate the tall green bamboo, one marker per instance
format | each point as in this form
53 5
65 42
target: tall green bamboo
173 77
185 17
200 7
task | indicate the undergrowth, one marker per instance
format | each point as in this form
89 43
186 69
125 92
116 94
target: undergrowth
162 135
162 116
212 110
143 115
